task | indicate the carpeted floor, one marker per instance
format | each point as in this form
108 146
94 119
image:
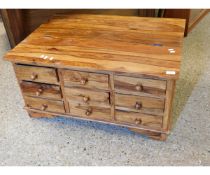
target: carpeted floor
60 141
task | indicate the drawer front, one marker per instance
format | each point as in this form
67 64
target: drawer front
44 105
41 90
139 86
141 104
88 97
139 119
90 111
36 74
85 79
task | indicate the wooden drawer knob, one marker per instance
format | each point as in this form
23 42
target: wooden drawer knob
88 111
39 92
44 107
34 76
86 99
138 105
138 121
83 81
139 87
28 106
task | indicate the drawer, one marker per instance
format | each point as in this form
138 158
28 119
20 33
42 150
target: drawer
139 119
88 97
139 86
85 79
41 90
36 74
90 111
141 104
44 105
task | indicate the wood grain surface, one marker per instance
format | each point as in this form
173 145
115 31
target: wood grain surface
85 79
36 74
90 111
137 119
141 104
107 43
44 104
140 86
41 90
87 96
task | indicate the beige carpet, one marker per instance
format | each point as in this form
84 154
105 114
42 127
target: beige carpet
60 141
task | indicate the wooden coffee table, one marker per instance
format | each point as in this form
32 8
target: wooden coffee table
110 69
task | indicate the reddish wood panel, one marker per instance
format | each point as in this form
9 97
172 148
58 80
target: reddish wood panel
14 26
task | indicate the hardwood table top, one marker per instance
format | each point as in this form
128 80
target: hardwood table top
123 44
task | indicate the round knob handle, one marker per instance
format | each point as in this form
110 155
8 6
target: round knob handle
138 121
39 91
34 76
88 111
139 87
138 105
86 99
83 81
44 107
27 105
